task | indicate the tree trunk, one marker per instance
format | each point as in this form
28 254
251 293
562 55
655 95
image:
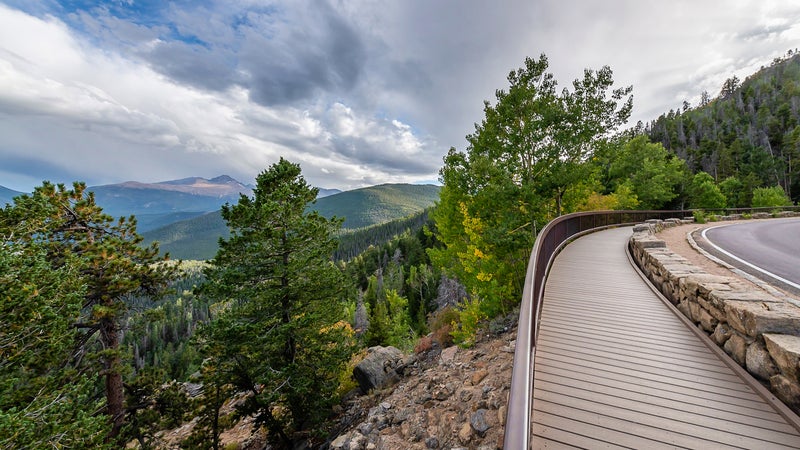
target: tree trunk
109 335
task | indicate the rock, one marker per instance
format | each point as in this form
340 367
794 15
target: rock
442 393
694 310
754 319
704 283
402 415
340 442
448 354
649 242
432 442
423 398
478 422
759 363
716 310
377 369
465 433
683 307
720 297
721 334
365 428
357 441
736 346
786 390
785 350
478 376
707 321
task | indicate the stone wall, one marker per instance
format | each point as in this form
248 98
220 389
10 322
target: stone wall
759 331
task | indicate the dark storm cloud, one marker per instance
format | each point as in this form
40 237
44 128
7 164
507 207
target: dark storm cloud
194 64
281 53
296 61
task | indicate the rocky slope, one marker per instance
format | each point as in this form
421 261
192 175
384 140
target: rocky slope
451 398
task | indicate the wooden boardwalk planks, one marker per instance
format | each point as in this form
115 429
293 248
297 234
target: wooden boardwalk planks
615 368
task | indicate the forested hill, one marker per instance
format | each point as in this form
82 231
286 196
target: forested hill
378 204
750 130
197 238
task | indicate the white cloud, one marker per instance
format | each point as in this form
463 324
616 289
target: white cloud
357 92
125 110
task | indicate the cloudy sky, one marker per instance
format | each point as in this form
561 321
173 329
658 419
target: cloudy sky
359 92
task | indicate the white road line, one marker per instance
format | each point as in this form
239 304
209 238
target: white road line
765 272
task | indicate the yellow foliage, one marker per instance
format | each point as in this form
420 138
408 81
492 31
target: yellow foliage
483 276
598 202
340 325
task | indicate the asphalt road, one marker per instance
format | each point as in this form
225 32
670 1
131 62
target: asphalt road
768 249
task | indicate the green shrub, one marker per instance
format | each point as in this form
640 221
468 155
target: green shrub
699 216
471 315
769 197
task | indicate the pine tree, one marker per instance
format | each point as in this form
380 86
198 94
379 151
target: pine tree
106 258
281 339
44 401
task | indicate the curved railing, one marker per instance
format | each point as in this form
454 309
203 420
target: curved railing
548 243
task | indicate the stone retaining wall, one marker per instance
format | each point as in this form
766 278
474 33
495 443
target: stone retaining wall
759 331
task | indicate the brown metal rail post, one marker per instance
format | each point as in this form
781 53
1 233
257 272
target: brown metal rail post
548 243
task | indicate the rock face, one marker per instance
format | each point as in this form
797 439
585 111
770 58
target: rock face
759 331
448 399
378 369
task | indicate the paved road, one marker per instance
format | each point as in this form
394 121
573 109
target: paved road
769 249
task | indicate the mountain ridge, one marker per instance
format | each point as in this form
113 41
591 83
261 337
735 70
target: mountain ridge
165 202
197 237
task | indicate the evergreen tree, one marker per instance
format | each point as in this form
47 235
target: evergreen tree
44 401
280 338
109 262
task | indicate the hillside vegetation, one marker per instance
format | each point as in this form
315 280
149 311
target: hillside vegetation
377 204
750 131
197 238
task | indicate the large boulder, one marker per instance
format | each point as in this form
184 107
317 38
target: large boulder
378 369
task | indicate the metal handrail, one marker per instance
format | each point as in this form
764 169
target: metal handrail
548 243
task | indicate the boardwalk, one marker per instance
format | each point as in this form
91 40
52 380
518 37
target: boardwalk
615 368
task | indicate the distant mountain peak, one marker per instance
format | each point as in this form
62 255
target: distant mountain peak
222 186
223 179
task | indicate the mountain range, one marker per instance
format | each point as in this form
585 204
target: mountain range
159 204
183 215
197 237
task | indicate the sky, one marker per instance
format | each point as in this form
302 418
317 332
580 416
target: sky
358 92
